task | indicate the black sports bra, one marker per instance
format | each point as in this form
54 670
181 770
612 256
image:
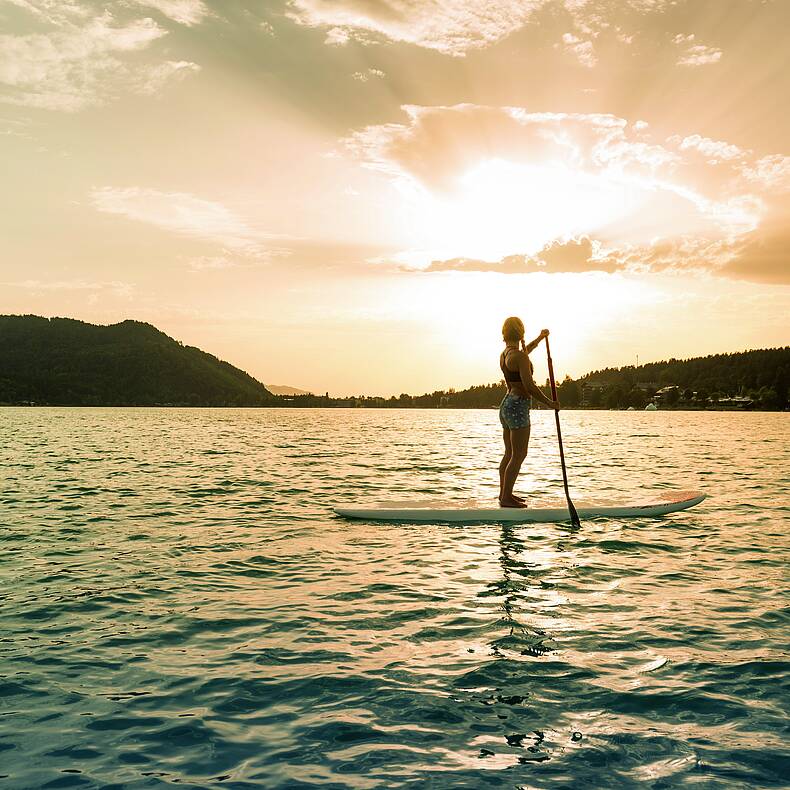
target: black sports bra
512 376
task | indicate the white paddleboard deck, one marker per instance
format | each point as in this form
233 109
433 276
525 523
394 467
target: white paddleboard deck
437 511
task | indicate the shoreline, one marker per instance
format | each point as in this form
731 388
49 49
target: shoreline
368 408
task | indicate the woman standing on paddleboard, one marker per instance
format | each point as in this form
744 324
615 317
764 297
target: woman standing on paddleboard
514 409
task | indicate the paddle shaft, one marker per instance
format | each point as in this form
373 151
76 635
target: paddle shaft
571 509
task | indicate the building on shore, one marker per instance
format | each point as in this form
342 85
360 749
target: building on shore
736 402
666 393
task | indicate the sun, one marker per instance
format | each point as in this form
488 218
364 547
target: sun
500 207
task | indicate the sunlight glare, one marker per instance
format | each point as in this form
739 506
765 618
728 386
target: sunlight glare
502 208
463 313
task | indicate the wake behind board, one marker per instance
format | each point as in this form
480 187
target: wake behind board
435 511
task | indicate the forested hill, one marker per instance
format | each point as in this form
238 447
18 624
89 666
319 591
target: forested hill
732 374
60 361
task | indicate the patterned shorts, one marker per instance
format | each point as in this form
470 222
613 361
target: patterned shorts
514 412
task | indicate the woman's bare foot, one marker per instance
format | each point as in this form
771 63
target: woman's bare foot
512 502
519 498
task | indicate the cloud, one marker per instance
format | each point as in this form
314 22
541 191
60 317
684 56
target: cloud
85 61
59 12
368 74
695 54
337 37
770 172
185 12
700 56
582 50
764 254
456 27
452 27
584 255
761 256
438 144
185 214
517 191
678 254
154 78
573 255
54 11
758 260
713 150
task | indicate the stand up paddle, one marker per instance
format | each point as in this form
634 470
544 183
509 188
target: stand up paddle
571 509
439 511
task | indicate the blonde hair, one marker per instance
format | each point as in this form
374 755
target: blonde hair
512 330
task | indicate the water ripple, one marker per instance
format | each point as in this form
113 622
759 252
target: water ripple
181 608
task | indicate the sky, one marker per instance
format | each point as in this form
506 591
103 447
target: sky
351 195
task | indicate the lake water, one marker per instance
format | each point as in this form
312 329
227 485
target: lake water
181 608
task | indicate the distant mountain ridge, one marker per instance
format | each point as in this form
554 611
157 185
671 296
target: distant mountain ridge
65 362
283 389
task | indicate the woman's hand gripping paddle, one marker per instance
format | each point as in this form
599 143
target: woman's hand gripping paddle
571 509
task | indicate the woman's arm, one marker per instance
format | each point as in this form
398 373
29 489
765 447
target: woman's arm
530 386
534 344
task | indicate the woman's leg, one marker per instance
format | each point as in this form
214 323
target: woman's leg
519 444
504 462
505 459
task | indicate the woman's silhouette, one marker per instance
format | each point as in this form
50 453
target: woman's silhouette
514 409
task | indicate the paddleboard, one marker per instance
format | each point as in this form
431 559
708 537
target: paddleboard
437 511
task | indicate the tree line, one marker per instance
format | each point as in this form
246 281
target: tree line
761 376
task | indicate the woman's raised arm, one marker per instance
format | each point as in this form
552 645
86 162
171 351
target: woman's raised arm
534 344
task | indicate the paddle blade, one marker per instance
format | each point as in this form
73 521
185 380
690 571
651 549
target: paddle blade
574 515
